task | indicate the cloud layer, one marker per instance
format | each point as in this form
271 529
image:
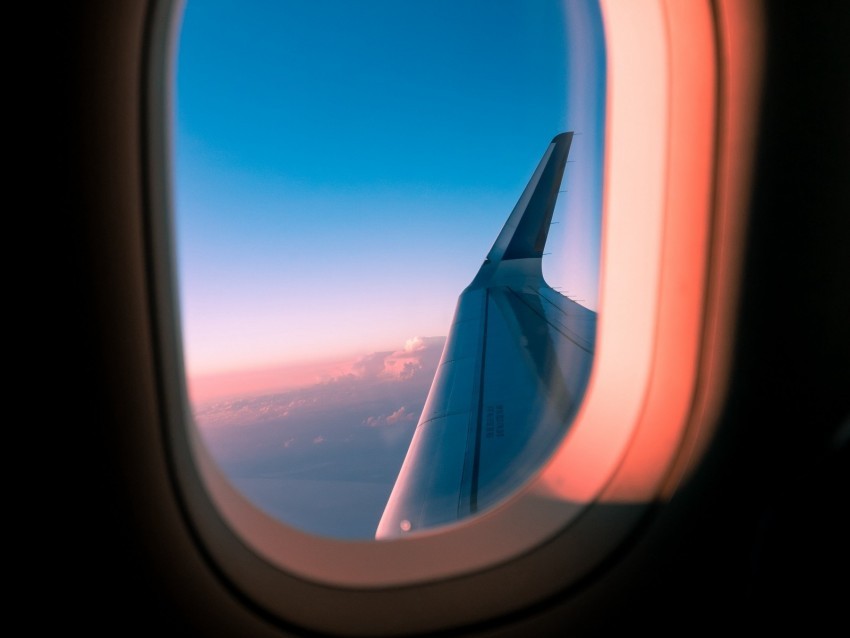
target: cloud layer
299 453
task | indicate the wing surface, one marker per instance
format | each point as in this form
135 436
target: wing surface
513 371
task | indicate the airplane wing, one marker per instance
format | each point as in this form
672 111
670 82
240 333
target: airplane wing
510 380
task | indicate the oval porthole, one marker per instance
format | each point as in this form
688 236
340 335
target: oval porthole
672 198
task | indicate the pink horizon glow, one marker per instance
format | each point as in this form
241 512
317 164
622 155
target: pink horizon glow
253 381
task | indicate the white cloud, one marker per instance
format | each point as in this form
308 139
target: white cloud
251 411
400 415
422 343
419 353
376 376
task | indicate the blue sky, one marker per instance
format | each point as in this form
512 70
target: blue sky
344 167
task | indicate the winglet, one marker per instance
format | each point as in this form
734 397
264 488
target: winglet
524 234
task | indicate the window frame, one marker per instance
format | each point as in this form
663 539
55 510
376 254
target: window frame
665 299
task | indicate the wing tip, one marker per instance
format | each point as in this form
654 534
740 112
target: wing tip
524 233
562 137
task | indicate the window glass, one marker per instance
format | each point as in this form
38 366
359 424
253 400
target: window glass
342 171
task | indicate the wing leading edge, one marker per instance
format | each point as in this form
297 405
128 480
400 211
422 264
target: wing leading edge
510 380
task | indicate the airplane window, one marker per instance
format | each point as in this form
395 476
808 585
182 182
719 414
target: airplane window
387 222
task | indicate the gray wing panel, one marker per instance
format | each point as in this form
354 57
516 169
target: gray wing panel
512 375
429 485
534 379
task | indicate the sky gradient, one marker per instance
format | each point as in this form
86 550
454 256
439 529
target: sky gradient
343 168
